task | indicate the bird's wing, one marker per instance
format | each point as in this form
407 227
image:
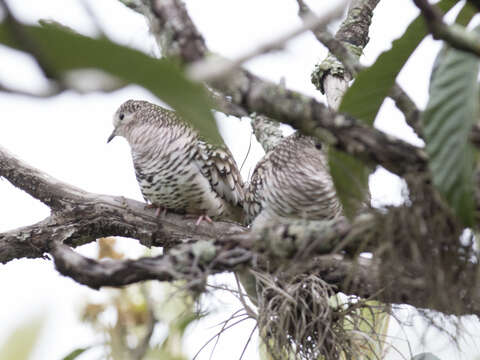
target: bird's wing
219 167
254 195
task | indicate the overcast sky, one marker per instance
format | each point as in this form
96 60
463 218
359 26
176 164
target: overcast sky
66 137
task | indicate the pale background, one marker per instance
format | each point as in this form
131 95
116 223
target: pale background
66 137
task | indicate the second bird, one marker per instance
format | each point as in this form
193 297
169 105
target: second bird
176 170
292 181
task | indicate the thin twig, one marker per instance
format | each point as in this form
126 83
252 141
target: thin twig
241 296
455 35
215 336
214 69
225 323
248 341
52 91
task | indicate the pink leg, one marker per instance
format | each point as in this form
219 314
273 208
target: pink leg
203 217
159 210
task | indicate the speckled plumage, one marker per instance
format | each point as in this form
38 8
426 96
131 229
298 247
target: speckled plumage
292 181
175 169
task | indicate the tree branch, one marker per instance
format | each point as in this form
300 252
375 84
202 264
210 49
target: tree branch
455 35
53 91
50 191
410 111
351 38
267 131
214 69
345 57
362 277
80 217
313 118
350 62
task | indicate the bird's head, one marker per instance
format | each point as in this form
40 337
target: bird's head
125 116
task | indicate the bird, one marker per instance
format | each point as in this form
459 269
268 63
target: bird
176 169
292 181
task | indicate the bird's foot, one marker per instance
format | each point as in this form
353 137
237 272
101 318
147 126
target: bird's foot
159 210
202 218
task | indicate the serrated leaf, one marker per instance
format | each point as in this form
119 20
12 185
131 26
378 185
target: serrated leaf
350 177
364 98
75 353
20 344
451 112
64 51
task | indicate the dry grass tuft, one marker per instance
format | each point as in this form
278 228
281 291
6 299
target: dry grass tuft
301 318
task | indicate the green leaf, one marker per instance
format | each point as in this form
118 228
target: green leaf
75 353
466 14
20 344
350 177
451 112
64 51
364 98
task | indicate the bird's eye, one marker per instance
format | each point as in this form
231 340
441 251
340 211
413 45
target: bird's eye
121 116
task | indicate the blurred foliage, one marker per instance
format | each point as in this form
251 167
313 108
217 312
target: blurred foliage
131 319
368 330
425 356
76 353
20 344
350 177
64 51
451 112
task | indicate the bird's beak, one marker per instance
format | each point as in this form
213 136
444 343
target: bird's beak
111 136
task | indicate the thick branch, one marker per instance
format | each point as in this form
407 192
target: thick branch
363 278
313 118
79 217
330 73
346 46
41 186
350 62
179 38
202 250
98 216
